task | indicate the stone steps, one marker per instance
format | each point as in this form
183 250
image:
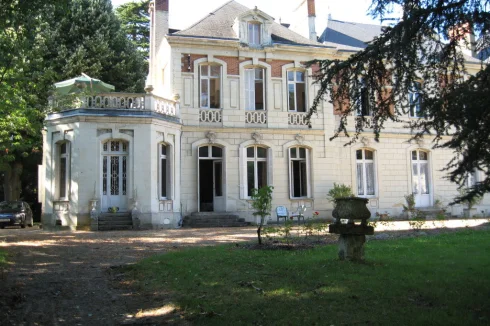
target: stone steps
212 220
115 221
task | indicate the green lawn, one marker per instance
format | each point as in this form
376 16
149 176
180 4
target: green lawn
3 258
440 280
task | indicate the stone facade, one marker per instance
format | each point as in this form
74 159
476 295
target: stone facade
175 117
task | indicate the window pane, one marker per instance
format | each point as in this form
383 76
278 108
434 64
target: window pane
423 156
204 70
261 152
414 155
415 178
369 179
203 151
368 154
215 71
262 174
300 97
259 95
216 151
291 75
63 148
250 152
360 180
291 100
124 175
300 76
104 175
250 178
163 177
359 154
302 152
295 178
424 178
215 91
164 150
62 177
204 93
365 110
293 152
259 74
303 181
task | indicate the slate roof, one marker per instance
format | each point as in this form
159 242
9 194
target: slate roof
219 25
348 36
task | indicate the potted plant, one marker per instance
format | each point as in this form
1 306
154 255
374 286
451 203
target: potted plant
113 209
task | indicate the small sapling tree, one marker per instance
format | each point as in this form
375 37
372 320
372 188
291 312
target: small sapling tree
262 203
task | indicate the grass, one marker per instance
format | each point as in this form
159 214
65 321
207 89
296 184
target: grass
3 258
440 280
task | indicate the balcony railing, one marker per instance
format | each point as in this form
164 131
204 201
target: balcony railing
256 117
297 119
210 115
119 101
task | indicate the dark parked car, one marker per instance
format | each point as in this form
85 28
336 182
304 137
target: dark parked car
15 213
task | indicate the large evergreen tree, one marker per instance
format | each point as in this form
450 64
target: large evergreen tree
42 42
424 45
135 22
89 38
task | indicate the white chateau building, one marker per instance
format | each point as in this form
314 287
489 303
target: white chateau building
224 113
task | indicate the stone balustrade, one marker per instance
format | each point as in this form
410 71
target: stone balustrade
297 119
210 115
119 101
256 117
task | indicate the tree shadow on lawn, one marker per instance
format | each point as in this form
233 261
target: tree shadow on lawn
424 280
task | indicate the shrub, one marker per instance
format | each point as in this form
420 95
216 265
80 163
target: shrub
339 191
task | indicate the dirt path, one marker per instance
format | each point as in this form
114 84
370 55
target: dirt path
68 278
62 278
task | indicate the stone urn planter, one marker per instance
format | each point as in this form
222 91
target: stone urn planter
352 236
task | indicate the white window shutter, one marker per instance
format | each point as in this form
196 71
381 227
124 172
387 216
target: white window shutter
249 89
270 167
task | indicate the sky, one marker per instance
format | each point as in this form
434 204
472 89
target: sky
184 13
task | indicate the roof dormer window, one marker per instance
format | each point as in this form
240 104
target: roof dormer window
254 29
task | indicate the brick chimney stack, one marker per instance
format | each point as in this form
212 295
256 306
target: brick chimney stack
158 29
311 19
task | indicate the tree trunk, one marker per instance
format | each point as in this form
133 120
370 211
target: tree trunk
11 181
258 232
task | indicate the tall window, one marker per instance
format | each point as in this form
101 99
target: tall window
296 91
415 101
420 172
254 89
472 178
256 168
210 86
298 171
364 108
254 29
164 161
365 172
63 164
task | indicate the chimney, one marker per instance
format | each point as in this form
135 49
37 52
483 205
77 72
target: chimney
311 20
465 37
158 29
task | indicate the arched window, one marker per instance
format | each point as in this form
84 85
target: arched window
63 180
296 91
254 89
299 172
164 179
420 172
365 175
256 168
210 86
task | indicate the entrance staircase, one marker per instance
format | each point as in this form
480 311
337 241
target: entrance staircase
115 221
213 220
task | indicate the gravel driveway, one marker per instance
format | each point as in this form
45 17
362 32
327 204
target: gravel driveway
63 278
